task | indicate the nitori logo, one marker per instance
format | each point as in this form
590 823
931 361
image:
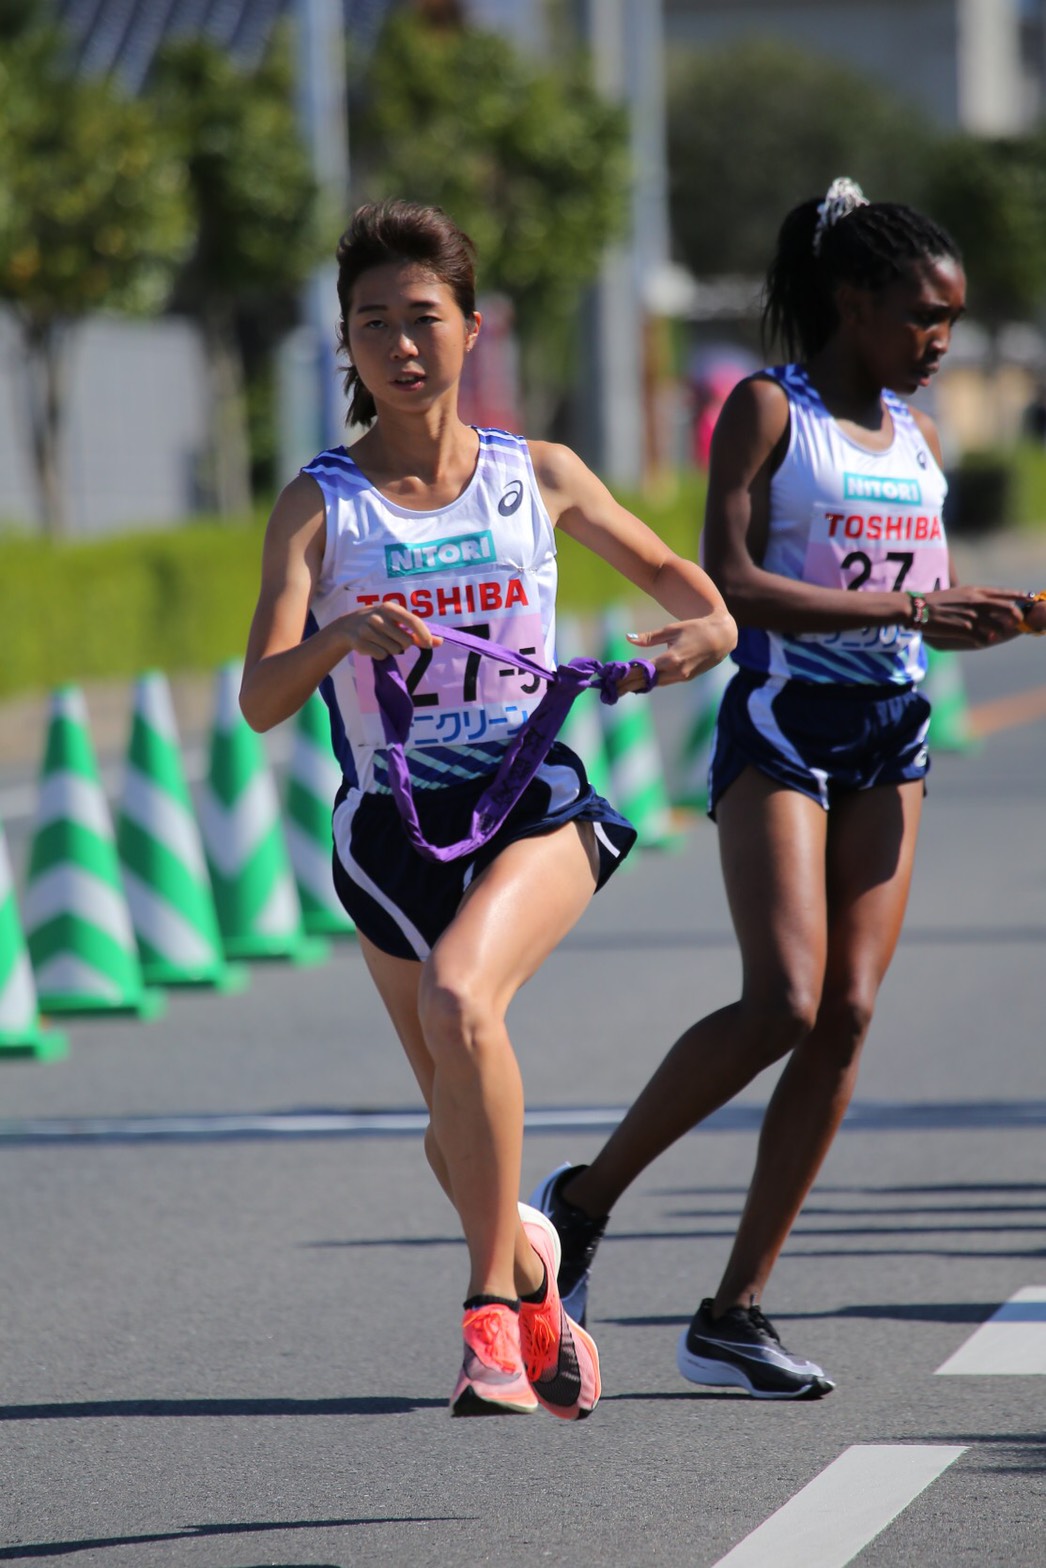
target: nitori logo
866 487
511 500
406 560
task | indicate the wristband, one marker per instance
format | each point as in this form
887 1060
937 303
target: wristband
1026 604
920 609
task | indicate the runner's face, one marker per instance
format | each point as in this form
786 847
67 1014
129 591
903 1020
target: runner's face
905 329
407 335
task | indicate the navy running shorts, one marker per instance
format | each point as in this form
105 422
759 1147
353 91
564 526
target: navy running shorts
403 902
819 739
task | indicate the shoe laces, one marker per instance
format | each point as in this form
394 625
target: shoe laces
763 1324
543 1341
579 1233
491 1327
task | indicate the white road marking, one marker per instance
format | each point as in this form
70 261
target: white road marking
846 1506
291 1124
1011 1344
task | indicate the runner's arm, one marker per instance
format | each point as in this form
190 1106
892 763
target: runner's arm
281 670
580 504
944 641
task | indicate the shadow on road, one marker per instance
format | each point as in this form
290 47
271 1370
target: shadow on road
135 1409
196 1532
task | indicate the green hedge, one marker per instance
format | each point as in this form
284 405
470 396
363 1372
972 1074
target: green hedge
182 600
1029 486
587 583
175 601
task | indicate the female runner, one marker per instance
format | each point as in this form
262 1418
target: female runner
823 528
426 518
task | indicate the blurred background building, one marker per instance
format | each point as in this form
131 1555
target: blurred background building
671 311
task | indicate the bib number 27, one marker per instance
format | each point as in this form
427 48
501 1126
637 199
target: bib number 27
470 678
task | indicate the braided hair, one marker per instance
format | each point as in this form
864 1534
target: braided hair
840 239
399 231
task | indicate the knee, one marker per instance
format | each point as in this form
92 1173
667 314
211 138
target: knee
777 1023
843 1024
452 1017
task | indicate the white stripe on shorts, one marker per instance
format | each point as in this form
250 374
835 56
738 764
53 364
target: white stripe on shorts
761 714
342 826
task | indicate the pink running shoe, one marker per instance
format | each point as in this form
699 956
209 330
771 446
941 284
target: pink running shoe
562 1361
492 1380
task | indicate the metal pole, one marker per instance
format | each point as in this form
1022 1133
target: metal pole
613 333
626 42
311 363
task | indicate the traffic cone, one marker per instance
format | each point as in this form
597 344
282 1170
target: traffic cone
259 911
696 755
637 779
20 1031
944 688
78 926
161 854
313 778
582 730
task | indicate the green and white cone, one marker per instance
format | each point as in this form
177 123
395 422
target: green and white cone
583 731
945 690
313 778
259 911
161 854
20 1031
706 694
637 777
77 921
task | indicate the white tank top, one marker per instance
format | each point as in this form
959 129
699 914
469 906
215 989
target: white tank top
844 517
486 563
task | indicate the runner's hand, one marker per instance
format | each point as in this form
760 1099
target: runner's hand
973 617
381 629
691 648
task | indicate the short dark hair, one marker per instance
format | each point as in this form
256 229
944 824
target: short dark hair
393 231
870 246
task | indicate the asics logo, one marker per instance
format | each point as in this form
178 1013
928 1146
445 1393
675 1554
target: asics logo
512 499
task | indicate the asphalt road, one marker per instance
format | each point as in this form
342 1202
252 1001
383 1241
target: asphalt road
230 1290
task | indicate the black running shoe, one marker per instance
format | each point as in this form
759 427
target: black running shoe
742 1349
579 1237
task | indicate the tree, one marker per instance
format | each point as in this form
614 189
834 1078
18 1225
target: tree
758 127
991 195
257 228
530 161
92 218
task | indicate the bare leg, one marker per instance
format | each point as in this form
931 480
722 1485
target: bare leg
397 980
450 1015
871 849
772 843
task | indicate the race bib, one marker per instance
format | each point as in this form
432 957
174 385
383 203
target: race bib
459 696
879 551
869 548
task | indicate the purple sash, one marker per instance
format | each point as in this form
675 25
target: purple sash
526 751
